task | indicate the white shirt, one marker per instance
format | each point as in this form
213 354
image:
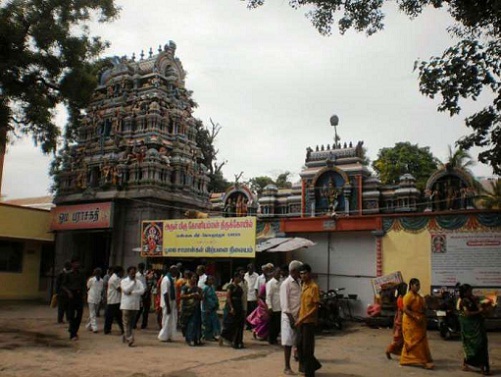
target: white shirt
261 280
132 290
140 276
251 285
273 295
113 294
165 288
201 281
290 297
94 290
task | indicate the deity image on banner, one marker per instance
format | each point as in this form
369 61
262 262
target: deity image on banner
152 239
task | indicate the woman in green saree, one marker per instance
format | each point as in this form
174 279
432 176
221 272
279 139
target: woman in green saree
473 334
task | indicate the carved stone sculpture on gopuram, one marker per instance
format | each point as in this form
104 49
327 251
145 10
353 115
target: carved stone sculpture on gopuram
137 137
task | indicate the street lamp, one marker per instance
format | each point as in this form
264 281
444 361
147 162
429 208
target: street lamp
334 122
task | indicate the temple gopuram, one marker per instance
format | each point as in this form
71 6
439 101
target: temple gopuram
135 158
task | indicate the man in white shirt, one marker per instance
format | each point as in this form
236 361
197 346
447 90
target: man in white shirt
250 278
264 277
168 305
144 310
132 290
94 295
273 303
202 277
290 302
113 296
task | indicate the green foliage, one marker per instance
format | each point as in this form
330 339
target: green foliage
491 197
47 59
405 158
282 180
463 71
257 184
205 139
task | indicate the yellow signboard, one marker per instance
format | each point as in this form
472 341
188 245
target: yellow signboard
233 237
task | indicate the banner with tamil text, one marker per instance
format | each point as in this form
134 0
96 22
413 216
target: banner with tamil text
233 237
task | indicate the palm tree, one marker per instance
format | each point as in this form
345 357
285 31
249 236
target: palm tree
458 159
491 197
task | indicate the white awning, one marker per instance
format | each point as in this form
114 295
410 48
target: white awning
270 242
292 244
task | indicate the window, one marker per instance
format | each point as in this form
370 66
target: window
11 256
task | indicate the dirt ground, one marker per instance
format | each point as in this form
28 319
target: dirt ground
32 344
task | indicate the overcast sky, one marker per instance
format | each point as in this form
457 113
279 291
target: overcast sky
272 82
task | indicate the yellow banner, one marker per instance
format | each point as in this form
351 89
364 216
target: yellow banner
222 237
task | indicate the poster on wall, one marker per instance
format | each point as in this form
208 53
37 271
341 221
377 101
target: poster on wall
200 238
473 258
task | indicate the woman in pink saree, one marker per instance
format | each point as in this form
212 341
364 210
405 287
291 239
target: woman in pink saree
260 317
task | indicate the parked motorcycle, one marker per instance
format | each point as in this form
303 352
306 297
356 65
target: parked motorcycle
329 313
447 317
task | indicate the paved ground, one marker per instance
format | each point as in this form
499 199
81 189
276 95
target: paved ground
31 344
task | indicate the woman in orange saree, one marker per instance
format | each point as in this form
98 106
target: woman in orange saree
398 340
415 350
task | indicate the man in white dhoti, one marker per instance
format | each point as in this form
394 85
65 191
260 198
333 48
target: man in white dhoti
290 302
168 305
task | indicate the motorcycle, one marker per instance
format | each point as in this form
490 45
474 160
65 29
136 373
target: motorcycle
447 317
329 314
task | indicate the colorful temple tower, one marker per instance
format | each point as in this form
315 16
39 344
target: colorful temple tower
136 149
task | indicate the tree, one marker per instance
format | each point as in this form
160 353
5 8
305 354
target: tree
463 71
257 184
47 59
282 180
458 159
405 158
205 138
491 197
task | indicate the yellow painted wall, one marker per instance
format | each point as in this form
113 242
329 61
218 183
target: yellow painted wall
410 254
31 227
25 223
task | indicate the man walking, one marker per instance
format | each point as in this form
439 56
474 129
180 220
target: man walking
62 297
290 302
250 278
73 284
273 303
113 304
168 305
132 290
94 296
308 316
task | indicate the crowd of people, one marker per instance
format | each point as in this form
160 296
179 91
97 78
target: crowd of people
280 302
410 340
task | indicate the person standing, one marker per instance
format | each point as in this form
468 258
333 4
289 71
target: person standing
106 278
144 310
290 302
234 316
273 303
94 296
210 306
398 339
191 317
73 284
415 350
306 323
62 297
250 278
132 290
202 277
168 305
264 277
113 304
473 334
